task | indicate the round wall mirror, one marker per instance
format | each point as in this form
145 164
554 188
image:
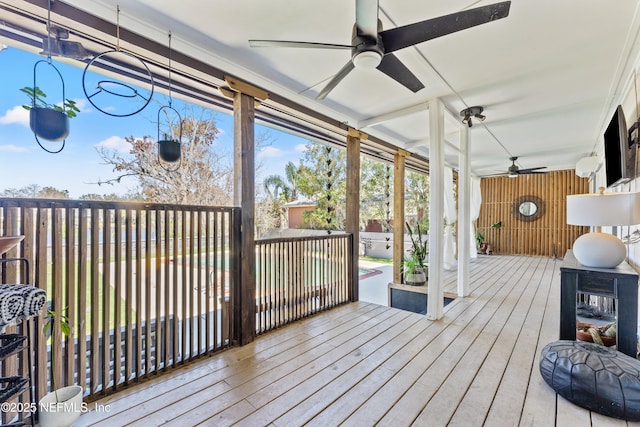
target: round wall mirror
528 208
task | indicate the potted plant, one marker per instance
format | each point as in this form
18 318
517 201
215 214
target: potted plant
46 120
415 266
481 244
418 247
413 271
61 407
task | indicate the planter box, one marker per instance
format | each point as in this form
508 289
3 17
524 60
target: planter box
412 298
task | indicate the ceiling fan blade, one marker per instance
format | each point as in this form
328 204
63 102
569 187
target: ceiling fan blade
395 69
335 80
531 173
289 43
532 170
409 35
367 18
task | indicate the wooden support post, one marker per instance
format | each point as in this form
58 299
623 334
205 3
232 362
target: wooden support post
398 213
464 214
435 303
244 316
352 221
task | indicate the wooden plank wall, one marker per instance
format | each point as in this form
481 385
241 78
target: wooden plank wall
549 235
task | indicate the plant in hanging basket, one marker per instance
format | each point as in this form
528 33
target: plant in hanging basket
49 121
169 149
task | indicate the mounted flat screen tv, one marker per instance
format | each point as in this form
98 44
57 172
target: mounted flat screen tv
619 151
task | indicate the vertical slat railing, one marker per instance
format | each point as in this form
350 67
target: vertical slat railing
147 287
94 302
297 277
144 286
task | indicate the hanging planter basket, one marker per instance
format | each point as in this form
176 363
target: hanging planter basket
169 147
48 120
169 150
48 123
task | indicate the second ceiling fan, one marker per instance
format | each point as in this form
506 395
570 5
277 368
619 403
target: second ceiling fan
372 47
514 170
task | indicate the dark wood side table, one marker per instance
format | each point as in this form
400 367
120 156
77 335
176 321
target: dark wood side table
620 283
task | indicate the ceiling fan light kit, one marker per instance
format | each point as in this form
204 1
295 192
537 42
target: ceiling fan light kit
368 60
470 112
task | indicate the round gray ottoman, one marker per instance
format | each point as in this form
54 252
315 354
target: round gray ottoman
595 377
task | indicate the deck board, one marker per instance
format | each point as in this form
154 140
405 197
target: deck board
362 364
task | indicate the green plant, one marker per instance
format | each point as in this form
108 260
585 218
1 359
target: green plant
47 329
480 234
479 238
68 107
411 264
419 248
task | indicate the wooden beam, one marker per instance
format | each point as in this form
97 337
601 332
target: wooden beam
226 92
244 306
435 304
392 115
231 94
352 221
398 213
425 141
357 134
246 88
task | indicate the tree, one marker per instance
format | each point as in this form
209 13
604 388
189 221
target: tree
417 202
111 197
204 176
279 191
34 191
53 193
287 188
376 192
322 175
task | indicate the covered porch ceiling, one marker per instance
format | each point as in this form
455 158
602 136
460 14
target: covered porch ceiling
548 76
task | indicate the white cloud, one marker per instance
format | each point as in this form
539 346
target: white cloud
17 115
83 105
115 143
300 148
271 152
10 148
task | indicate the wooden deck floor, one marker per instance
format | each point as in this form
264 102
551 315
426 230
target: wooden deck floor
363 364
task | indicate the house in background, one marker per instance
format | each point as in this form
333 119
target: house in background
296 210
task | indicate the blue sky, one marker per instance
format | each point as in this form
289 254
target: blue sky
78 167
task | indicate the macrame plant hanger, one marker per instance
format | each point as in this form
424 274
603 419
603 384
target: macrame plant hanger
169 147
48 123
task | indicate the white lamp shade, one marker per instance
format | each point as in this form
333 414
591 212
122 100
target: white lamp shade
603 209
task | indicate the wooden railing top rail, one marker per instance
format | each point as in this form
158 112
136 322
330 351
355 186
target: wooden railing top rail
270 240
101 204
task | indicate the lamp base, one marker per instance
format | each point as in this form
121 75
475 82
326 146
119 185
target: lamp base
599 250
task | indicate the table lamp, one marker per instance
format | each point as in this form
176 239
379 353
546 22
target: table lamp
597 249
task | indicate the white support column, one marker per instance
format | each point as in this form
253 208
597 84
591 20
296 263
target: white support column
464 214
435 304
